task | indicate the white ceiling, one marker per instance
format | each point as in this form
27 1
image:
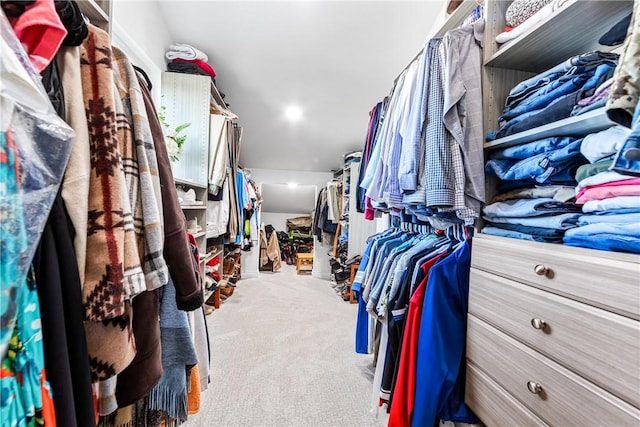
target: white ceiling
334 60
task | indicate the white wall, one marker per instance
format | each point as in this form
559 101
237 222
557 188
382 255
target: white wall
275 176
140 30
279 220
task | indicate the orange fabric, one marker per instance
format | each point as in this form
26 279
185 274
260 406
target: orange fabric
193 397
48 410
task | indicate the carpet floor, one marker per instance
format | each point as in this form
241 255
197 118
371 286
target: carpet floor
283 355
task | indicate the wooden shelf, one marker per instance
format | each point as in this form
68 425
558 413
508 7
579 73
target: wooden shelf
189 183
97 15
208 257
555 39
193 207
456 19
581 125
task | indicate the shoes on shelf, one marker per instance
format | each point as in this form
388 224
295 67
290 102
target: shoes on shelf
193 226
186 197
227 290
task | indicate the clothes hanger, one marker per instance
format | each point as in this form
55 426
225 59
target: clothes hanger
144 75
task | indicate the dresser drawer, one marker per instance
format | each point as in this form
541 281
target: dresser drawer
605 279
564 399
597 344
493 405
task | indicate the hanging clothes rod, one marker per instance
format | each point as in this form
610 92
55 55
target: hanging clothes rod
454 20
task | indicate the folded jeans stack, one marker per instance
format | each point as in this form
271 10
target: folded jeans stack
536 218
554 94
552 160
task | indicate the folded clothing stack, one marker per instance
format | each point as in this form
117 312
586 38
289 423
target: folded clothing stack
537 184
187 59
555 94
536 218
552 160
523 15
609 195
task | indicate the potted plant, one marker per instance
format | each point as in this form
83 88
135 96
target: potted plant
173 137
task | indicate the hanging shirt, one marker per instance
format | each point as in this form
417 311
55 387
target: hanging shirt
404 390
410 158
440 354
463 105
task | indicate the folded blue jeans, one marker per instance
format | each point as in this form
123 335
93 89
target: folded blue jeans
543 97
628 229
559 109
539 234
605 242
558 222
590 58
557 166
625 218
524 208
495 231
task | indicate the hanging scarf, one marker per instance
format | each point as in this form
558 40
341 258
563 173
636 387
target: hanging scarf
178 357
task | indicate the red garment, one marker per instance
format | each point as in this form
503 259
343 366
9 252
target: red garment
40 31
405 387
201 64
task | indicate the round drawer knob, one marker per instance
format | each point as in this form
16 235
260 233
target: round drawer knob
540 270
534 387
539 324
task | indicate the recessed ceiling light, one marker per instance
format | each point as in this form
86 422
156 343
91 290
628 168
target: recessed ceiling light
292 184
293 113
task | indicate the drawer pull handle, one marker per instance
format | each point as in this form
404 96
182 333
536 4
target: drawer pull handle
534 388
540 270
538 324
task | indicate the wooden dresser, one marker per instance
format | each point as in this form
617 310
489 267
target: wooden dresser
553 331
553 335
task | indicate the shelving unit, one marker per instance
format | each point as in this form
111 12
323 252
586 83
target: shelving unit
454 20
525 352
196 211
583 17
98 12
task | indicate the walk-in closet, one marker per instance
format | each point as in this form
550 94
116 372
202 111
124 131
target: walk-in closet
319 213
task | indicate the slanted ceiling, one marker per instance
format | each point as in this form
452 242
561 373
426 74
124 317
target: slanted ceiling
333 59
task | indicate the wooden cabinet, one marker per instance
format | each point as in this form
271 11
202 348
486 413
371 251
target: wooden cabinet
553 332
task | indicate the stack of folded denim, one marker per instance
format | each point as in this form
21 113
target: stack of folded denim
548 161
610 199
553 94
595 101
537 218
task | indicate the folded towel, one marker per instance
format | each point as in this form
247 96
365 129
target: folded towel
185 51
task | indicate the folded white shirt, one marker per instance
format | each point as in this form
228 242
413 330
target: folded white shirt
185 51
603 144
602 178
620 202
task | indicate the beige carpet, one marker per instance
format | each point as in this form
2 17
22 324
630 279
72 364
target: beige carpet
282 355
